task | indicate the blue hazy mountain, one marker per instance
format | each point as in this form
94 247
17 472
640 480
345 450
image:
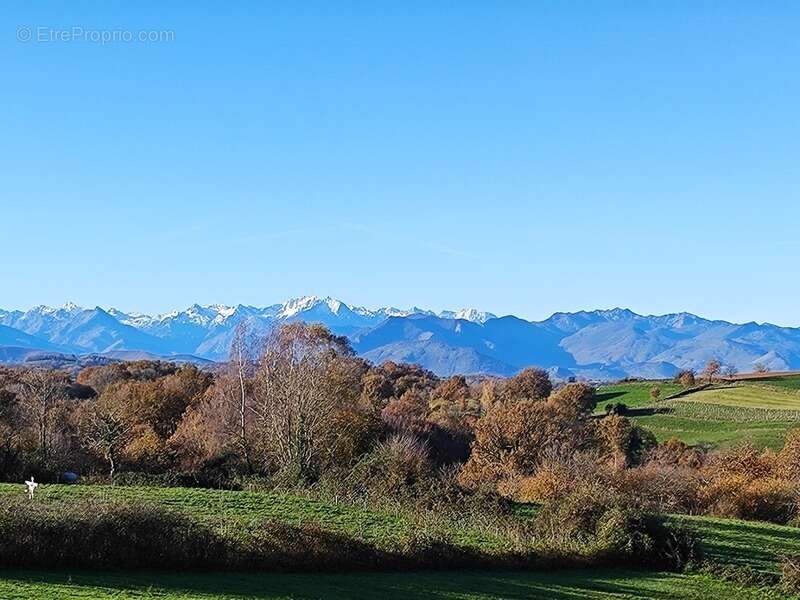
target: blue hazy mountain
600 344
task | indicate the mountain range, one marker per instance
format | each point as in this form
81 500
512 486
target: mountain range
599 344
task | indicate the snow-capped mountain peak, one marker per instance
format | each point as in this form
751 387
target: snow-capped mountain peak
609 343
468 314
296 306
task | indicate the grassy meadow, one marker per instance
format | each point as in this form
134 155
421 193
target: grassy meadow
759 411
597 584
758 546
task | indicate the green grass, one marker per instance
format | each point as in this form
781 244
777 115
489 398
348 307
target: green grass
383 528
757 545
720 434
752 411
557 585
744 543
790 383
633 395
750 395
236 506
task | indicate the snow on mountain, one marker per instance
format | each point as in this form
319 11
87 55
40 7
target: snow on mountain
468 314
602 343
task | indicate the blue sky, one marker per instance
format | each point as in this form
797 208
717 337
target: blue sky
519 157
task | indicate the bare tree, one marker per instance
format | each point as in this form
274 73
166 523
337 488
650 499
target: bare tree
294 402
239 372
105 432
40 394
761 368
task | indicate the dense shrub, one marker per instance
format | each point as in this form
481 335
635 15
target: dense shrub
761 499
747 484
397 467
277 546
659 488
89 534
592 525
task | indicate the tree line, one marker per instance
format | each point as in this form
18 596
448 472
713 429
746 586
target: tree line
298 408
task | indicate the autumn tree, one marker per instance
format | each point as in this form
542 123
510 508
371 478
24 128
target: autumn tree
153 409
712 370
624 442
391 380
577 398
529 384
513 437
686 378
235 385
408 413
11 422
452 405
655 393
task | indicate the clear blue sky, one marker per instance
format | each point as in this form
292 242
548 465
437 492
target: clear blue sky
520 157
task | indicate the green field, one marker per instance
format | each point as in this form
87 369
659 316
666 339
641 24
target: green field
749 395
444 585
236 506
227 508
719 434
744 543
791 382
754 411
633 395
738 543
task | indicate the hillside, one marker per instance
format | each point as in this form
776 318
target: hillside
759 411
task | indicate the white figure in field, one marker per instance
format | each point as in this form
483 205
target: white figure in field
32 485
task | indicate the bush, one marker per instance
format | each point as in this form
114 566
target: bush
90 534
658 487
594 525
740 497
616 408
398 467
277 546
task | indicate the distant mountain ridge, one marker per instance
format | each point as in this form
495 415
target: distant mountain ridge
599 344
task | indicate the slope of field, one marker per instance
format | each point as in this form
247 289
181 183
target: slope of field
719 434
789 382
604 584
721 416
751 395
633 395
753 544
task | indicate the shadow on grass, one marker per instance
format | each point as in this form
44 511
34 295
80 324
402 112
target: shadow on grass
554 585
606 396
